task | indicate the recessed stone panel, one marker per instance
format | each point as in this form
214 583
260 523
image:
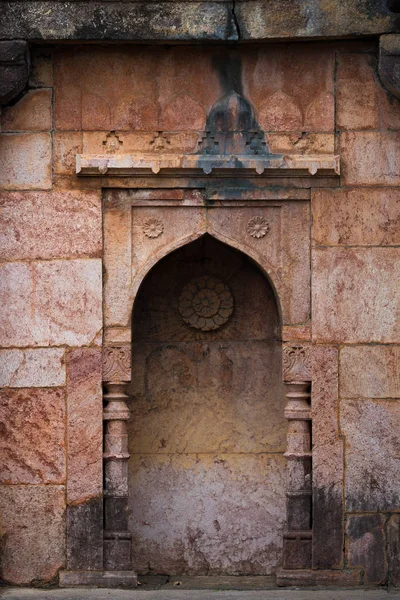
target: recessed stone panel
214 513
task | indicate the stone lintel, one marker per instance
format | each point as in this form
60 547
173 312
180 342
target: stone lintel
194 20
308 577
106 579
195 164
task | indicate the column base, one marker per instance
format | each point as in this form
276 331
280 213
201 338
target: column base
309 578
103 579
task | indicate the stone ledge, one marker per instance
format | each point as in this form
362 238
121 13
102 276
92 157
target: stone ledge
105 579
306 578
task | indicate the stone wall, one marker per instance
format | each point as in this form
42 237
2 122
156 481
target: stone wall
313 98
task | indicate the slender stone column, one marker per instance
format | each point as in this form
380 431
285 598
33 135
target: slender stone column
117 539
297 548
298 537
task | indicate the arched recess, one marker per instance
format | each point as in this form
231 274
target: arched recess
261 261
207 430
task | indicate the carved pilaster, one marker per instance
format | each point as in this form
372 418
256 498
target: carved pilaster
117 539
298 537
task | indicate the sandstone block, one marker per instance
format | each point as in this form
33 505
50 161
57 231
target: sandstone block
370 372
85 424
356 92
25 161
366 546
370 158
301 143
371 445
32 112
368 217
50 225
39 367
50 303
66 145
393 549
355 295
32 518
33 436
327 461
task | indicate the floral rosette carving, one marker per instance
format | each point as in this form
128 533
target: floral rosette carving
153 228
258 227
206 303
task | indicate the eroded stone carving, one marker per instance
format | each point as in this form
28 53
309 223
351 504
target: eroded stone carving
153 228
206 303
117 363
257 227
296 365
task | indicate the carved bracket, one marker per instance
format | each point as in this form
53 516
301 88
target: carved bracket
296 363
14 69
117 363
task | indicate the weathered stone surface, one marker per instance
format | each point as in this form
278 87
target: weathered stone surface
66 145
370 158
357 97
366 546
40 367
50 303
50 225
32 112
41 75
85 535
369 217
301 143
33 436
393 549
388 66
85 424
178 531
327 470
14 69
195 21
371 445
25 161
370 372
32 518
355 295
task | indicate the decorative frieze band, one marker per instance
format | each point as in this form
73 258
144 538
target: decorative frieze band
117 363
296 363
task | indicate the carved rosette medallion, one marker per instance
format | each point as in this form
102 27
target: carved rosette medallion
258 227
206 303
296 363
153 228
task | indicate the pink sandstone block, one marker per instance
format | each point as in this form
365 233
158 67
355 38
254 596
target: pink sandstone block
370 372
50 225
32 112
25 161
355 295
38 367
370 158
33 521
33 435
50 303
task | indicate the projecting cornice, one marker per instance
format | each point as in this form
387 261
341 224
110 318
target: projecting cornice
196 21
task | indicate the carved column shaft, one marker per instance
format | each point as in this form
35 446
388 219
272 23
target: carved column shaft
298 536
117 539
